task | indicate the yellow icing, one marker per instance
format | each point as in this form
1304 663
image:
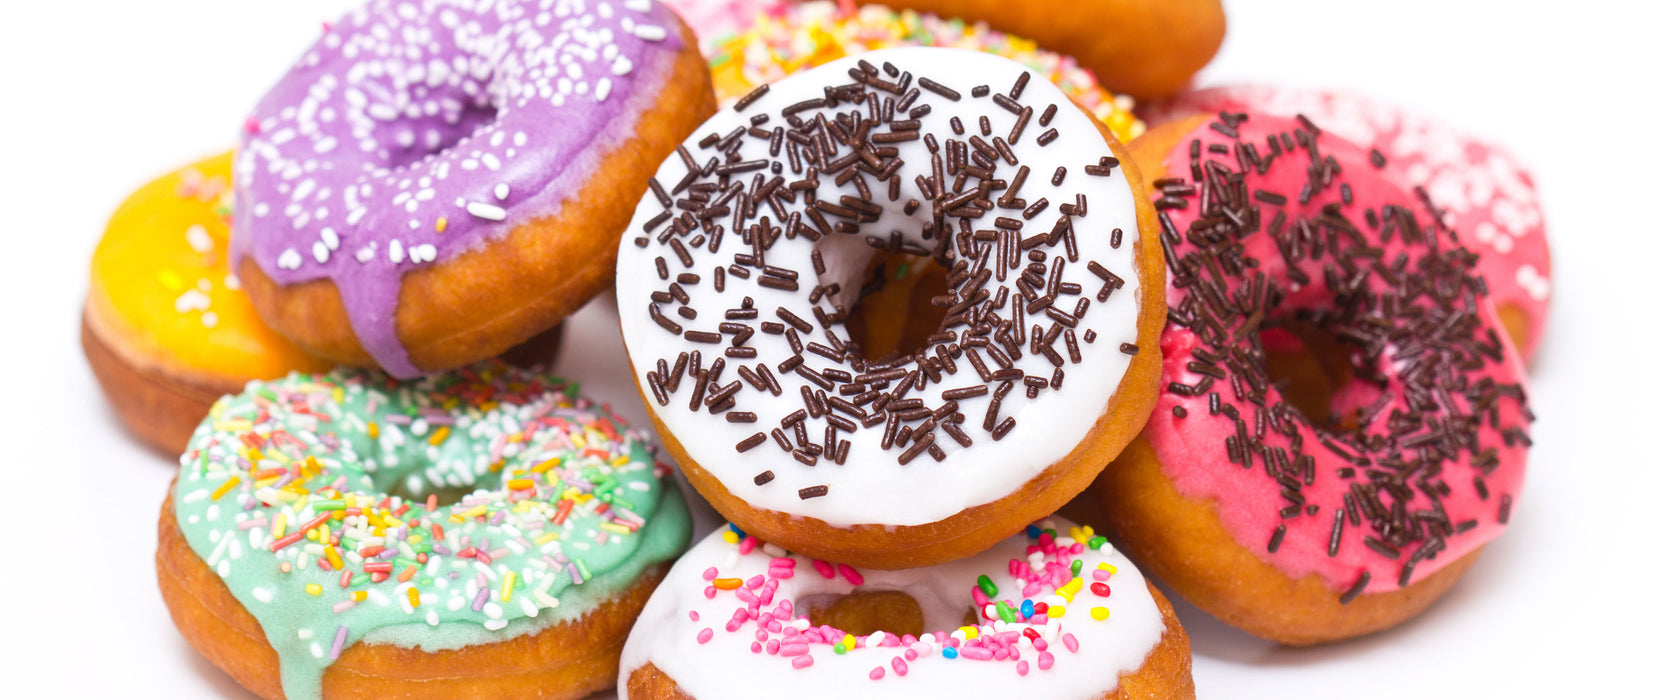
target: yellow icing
160 277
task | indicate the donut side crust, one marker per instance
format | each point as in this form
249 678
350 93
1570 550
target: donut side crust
977 528
1164 675
488 299
1181 542
1148 49
564 662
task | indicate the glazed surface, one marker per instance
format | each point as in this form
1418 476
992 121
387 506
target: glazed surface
1438 396
718 298
732 615
752 42
160 283
287 492
412 132
1486 194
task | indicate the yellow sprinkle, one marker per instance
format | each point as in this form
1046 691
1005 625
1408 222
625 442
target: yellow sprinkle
224 488
312 465
439 436
850 642
474 512
520 484
507 587
730 537
333 558
442 223
1071 589
312 588
171 281
615 527
414 596
279 525
496 466
1099 613
1105 566
456 519
1081 534
373 430
1057 611
546 538
970 632
359 596
338 394
577 439
620 460
546 465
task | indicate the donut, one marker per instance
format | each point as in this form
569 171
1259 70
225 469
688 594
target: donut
1148 49
785 38
1312 501
1482 190
485 532
754 242
167 329
493 149
1051 612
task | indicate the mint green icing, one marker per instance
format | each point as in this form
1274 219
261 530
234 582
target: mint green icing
519 447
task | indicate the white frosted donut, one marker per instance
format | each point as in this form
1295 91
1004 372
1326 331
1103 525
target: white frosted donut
732 620
750 246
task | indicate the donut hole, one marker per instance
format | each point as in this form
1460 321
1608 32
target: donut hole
862 613
413 138
404 477
895 312
1316 373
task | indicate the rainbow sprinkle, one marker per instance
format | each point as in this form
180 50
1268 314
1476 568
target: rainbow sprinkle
789 39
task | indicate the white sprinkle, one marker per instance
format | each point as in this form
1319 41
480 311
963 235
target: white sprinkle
492 162
231 282
290 259
320 251
485 210
326 145
650 32
199 239
637 5
191 300
365 254
264 595
602 89
432 618
501 191
621 65
306 633
396 251
494 625
209 319
428 253
329 237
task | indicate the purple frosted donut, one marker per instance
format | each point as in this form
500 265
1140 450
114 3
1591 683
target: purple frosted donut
494 148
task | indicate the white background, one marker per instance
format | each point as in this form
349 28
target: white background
1577 599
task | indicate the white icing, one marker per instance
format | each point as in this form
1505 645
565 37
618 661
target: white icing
725 666
872 487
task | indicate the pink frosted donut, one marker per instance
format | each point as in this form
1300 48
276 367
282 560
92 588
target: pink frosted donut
1306 506
1485 193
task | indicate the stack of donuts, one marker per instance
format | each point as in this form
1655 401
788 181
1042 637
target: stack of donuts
897 284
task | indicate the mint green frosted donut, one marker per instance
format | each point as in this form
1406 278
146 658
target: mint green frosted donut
561 507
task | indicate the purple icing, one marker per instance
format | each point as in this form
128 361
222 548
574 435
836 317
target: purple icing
475 113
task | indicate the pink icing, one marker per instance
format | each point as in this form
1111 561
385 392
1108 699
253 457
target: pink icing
715 18
412 132
1489 197
1192 449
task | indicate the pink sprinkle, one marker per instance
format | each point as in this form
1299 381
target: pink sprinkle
823 567
1069 641
1100 575
338 642
803 661
781 572
792 648
755 582
748 544
1040 644
979 598
975 651
757 647
899 667
251 125
910 654
694 616
1021 668
711 592
773 647
877 673
704 636
1046 660
711 573
889 641
782 562
851 575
